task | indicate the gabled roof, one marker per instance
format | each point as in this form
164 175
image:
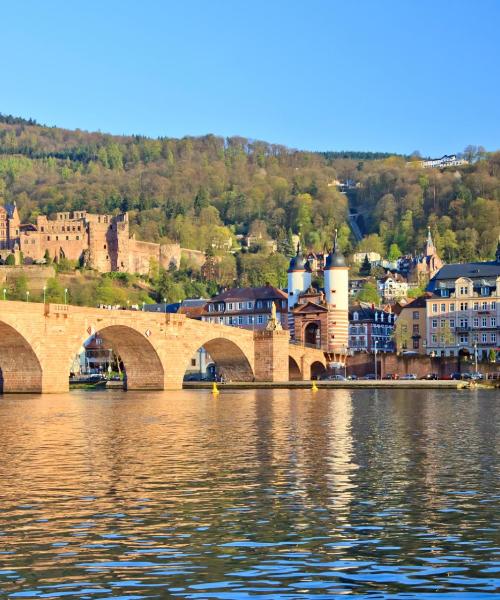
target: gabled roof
266 292
473 270
309 307
417 303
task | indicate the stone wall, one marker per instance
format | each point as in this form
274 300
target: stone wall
195 256
363 363
35 274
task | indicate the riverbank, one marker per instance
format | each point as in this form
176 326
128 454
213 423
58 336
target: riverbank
358 384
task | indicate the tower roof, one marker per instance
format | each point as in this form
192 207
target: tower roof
429 244
298 262
335 258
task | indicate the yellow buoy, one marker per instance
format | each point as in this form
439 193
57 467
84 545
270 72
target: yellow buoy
215 390
314 387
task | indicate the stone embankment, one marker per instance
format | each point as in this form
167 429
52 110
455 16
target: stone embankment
398 384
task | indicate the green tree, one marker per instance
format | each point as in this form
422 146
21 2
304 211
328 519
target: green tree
19 287
394 252
369 294
401 335
10 260
54 291
366 267
371 243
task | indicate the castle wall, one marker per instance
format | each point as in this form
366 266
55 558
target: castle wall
102 241
34 244
35 274
196 256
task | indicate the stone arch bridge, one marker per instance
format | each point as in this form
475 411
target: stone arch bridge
38 343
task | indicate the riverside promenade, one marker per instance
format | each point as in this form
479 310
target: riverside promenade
358 384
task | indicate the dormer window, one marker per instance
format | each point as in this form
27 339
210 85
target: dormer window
445 293
355 316
485 291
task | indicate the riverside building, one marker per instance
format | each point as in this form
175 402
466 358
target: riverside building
463 310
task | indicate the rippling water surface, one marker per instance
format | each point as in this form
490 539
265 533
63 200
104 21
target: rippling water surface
274 494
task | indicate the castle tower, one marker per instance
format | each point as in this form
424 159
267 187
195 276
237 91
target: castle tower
336 282
299 280
299 277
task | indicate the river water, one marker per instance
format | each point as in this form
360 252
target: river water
266 493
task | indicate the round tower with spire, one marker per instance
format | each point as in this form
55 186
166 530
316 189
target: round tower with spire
299 277
336 282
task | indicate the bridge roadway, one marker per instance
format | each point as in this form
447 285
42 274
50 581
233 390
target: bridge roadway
38 344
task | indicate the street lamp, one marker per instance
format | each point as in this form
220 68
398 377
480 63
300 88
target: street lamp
143 305
44 293
4 294
165 304
375 356
475 354
27 296
65 295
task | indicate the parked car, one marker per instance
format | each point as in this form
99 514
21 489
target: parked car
455 376
370 376
352 377
391 376
336 377
430 376
476 376
408 376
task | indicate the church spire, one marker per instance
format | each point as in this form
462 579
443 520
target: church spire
429 246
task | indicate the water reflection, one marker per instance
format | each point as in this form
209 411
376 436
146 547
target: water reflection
280 494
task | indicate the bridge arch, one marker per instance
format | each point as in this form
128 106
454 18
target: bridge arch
143 367
317 369
294 372
231 359
20 369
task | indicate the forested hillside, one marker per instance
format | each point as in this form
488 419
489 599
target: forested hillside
201 191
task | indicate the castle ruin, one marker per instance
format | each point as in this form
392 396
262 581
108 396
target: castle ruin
100 242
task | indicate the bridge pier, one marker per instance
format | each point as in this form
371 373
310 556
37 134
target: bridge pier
271 355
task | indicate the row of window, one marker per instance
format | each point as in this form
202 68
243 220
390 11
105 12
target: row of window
225 306
77 237
464 290
464 338
464 322
462 306
239 320
62 229
378 317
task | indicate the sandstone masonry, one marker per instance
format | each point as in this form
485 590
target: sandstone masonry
101 242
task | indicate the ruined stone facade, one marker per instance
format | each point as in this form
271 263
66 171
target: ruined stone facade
101 242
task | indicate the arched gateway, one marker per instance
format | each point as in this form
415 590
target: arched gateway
38 344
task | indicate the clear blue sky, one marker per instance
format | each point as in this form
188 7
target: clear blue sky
389 75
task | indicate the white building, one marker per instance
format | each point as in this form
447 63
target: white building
445 161
373 257
392 287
